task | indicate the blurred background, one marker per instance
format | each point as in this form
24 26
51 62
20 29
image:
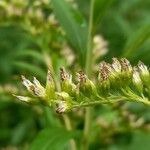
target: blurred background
39 34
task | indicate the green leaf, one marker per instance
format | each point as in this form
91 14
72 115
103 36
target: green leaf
31 53
73 24
30 67
100 8
52 139
141 141
137 40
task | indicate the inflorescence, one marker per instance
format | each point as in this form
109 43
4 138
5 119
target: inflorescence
116 82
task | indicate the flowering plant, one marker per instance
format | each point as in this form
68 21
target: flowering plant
116 82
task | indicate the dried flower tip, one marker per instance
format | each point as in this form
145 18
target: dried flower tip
49 76
125 64
82 77
143 69
64 75
105 69
116 65
62 107
23 98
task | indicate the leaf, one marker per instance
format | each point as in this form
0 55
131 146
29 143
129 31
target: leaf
52 139
140 141
32 68
137 40
100 8
73 24
31 53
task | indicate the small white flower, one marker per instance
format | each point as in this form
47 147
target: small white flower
136 77
143 69
27 83
39 89
116 65
35 88
62 107
23 98
125 64
137 80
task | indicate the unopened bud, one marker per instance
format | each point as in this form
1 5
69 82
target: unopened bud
39 89
62 107
126 72
125 65
116 65
144 73
137 80
25 99
35 88
65 102
86 86
66 82
50 87
103 77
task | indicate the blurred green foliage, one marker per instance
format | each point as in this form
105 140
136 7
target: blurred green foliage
33 36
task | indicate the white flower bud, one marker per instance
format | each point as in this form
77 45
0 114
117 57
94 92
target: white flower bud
35 88
137 80
39 89
23 98
143 69
116 65
62 107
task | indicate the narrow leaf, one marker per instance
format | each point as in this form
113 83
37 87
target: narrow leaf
137 40
52 139
73 24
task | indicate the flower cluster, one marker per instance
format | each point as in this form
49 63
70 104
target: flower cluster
118 81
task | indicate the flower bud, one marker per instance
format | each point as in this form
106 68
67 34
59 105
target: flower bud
126 66
39 89
66 83
137 82
103 77
144 73
86 86
50 87
25 99
35 88
116 65
62 107
65 102
126 72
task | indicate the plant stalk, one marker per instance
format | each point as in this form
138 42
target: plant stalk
88 67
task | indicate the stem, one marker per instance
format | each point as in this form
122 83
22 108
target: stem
69 128
99 102
88 67
89 40
65 116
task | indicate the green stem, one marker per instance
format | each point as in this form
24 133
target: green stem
88 67
65 116
120 99
69 128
